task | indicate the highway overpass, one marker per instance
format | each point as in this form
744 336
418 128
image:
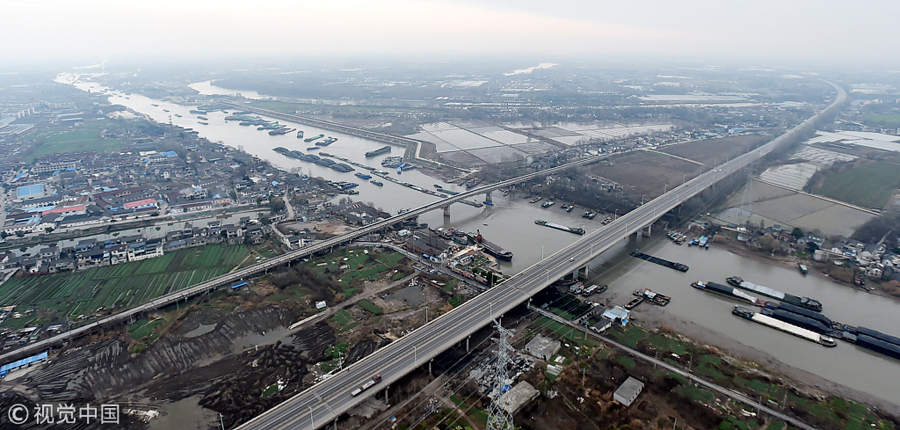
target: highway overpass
324 402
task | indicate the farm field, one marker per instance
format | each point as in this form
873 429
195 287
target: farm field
87 137
73 294
867 185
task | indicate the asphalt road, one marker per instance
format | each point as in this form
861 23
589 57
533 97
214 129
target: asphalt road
322 403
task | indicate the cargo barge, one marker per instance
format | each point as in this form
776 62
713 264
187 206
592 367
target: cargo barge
655 298
383 150
491 248
310 139
670 264
804 321
280 131
731 292
574 230
878 342
802 311
361 175
784 326
803 302
327 142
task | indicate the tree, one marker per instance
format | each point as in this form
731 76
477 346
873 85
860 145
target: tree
3 235
797 233
277 204
49 230
20 233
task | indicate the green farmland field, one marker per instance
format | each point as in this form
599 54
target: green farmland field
119 286
869 185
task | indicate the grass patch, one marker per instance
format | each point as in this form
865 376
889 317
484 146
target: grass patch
868 185
883 119
271 389
776 425
369 306
695 393
665 344
87 137
630 337
626 361
342 317
141 330
733 423
348 326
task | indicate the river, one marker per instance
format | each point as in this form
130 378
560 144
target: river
510 223
854 367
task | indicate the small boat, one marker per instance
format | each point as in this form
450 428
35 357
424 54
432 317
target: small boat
535 200
803 269
547 204
312 148
378 183
634 302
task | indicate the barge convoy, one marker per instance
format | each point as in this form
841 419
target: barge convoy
670 264
783 326
804 302
574 230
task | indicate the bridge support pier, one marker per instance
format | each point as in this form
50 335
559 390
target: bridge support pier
487 197
429 366
447 211
386 393
467 343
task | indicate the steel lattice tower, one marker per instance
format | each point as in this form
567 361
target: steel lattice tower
498 417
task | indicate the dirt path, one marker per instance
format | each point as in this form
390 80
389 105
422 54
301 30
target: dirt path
362 296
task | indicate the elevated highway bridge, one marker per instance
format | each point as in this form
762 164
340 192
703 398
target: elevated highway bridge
326 401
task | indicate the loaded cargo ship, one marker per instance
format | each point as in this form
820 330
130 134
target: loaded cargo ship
804 321
784 326
878 342
803 302
575 230
724 290
310 139
670 264
362 176
383 150
491 248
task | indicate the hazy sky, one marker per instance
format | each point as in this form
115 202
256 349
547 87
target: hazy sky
780 30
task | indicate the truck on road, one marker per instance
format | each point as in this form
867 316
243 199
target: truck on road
366 385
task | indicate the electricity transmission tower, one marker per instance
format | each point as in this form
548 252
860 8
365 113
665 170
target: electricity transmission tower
498 417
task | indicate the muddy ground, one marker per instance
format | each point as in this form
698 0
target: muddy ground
230 353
